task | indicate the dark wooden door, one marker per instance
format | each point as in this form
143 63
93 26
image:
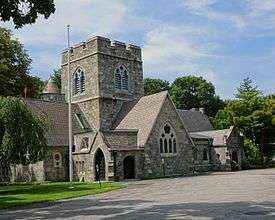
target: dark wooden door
129 167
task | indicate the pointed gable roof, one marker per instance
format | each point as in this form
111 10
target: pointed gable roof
57 116
51 87
140 114
195 120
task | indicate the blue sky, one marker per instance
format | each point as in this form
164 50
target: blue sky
223 41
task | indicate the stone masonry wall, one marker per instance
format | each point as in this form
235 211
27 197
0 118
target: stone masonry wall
27 173
122 139
99 58
177 164
57 173
201 165
139 161
235 143
84 163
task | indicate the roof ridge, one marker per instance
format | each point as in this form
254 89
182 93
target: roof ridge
158 93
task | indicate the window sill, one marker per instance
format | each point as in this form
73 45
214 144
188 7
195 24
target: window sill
168 154
78 95
127 92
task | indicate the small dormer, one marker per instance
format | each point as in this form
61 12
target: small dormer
52 93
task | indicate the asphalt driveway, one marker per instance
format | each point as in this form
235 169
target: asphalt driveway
232 195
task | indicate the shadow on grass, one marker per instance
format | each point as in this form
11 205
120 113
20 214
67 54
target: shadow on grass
25 195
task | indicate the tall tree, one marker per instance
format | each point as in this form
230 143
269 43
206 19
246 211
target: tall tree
14 68
253 114
152 86
194 92
22 134
25 11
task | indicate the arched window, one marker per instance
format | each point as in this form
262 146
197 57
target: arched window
82 82
57 160
121 78
205 154
84 143
117 80
167 141
78 81
124 80
195 154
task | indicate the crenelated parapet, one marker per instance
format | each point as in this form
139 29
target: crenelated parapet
102 45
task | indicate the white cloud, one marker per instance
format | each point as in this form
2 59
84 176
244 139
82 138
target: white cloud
177 50
85 16
255 13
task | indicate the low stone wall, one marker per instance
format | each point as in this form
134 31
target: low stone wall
27 173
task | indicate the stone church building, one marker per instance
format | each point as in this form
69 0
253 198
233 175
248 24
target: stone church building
117 129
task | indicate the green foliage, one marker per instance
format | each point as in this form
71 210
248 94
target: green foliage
25 11
22 134
254 115
221 120
14 69
26 194
247 90
57 77
152 86
194 92
252 152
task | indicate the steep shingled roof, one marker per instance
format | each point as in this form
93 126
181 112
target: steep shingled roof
140 114
219 136
195 121
57 116
51 87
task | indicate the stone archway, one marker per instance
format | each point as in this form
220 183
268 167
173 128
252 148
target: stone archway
129 167
234 160
235 156
100 164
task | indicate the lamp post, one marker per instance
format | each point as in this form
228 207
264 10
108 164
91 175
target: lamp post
70 109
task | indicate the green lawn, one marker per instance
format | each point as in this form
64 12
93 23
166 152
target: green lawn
25 194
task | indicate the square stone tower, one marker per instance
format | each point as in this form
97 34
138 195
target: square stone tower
104 74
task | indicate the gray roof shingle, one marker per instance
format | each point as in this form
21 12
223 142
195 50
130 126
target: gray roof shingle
194 120
141 115
57 116
219 136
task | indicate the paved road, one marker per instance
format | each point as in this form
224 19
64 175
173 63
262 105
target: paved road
235 195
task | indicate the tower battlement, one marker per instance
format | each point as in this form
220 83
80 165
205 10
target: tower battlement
103 46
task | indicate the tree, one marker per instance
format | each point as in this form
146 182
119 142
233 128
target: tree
22 134
254 115
57 77
152 86
14 68
221 120
25 11
194 92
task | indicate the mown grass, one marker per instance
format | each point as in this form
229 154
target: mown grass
12 195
